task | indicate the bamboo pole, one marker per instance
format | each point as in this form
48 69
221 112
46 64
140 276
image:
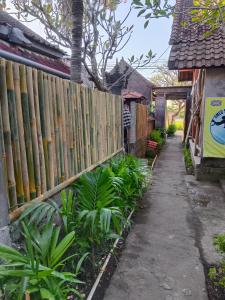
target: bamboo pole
16 213
41 92
50 174
57 166
7 136
23 155
39 132
34 136
3 156
50 131
60 135
27 130
14 132
64 139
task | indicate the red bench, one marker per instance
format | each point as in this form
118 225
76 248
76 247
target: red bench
151 145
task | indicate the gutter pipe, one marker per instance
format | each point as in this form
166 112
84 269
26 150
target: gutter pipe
22 60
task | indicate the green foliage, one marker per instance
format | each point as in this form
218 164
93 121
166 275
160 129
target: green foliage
157 135
39 270
150 9
150 153
219 242
40 212
218 274
171 130
187 158
95 208
134 174
179 124
98 216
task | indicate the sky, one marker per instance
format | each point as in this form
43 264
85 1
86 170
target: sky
155 37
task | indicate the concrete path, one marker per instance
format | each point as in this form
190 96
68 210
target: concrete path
161 260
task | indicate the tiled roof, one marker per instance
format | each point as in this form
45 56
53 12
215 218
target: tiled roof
190 48
126 94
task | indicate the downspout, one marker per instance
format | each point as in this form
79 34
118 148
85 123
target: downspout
22 60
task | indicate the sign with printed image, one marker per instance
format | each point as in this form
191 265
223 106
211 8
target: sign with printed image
214 128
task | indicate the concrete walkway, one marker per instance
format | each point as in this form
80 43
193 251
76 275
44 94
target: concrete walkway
161 260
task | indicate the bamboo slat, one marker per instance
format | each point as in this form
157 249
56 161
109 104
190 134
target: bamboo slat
23 155
39 132
51 131
14 132
7 136
27 130
34 135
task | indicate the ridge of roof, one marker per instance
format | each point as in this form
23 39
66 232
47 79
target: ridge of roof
7 19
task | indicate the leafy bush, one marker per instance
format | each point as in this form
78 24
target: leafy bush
171 130
95 208
39 270
158 136
187 159
150 153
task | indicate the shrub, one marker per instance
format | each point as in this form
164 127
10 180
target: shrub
95 209
157 135
150 153
171 129
187 158
39 269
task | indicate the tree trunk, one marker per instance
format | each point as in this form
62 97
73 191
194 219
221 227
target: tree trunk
77 32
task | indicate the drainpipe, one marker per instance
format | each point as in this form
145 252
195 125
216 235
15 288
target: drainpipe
25 61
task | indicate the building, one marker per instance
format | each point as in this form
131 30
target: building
201 58
124 78
19 43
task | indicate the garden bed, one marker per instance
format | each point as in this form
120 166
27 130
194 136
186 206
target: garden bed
74 242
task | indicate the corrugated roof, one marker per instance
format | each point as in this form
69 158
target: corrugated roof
190 48
38 42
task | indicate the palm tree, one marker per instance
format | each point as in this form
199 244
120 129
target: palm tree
77 31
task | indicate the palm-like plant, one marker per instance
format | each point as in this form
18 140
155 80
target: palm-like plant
134 174
39 271
98 216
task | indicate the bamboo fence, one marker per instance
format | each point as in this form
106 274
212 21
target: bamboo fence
51 130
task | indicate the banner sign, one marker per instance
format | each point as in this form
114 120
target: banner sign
214 128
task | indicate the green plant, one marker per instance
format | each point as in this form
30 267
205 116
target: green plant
179 124
150 153
39 270
134 174
45 212
187 158
98 217
218 274
157 135
40 213
171 130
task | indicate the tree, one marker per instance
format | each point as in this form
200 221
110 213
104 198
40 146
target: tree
203 12
104 34
77 10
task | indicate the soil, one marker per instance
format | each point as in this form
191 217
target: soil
215 292
111 267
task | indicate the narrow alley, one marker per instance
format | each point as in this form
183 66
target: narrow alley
161 259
